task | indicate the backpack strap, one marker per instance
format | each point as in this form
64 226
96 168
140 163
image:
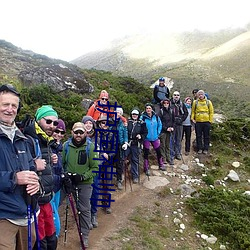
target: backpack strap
207 103
66 147
36 146
88 146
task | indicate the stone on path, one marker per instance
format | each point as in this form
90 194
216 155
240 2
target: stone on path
155 181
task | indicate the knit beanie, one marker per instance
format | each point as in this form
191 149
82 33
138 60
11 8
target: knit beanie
149 104
188 98
201 92
61 125
45 110
89 118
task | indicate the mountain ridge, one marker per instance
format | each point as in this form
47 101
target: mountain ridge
167 52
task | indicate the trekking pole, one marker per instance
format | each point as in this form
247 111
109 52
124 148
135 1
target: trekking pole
66 222
140 160
125 175
29 222
75 217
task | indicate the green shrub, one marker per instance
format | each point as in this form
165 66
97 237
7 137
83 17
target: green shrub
224 214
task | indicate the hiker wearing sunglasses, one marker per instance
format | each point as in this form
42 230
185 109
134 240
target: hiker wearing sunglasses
17 175
98 107
180 114
57 169
39 133
80 164
95 110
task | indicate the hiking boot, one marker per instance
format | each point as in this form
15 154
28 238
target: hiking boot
199 151
147 172
161 164
163 167
108 210
94 221
178 157
171 163
85 241
205 152
146 167
119 185
135 180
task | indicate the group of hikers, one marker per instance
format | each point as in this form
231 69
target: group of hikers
40 168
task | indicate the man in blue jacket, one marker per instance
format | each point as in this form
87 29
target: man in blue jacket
17 178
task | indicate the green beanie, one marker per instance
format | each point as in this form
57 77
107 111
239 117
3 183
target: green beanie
45 110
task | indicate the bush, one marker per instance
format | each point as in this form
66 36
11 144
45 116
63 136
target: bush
224 214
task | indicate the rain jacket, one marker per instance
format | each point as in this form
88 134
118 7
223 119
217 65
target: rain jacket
14 157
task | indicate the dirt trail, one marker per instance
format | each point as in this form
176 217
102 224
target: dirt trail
124 205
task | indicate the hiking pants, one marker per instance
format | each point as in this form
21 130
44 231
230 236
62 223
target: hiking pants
165 145
15 237
55 208
82 197
203 135
94 195
176 141
134 151
119 164
156 145
46 228
187 133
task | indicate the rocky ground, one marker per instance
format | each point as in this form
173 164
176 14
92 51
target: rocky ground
181 181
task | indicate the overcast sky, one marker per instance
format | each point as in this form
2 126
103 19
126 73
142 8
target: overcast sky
66 29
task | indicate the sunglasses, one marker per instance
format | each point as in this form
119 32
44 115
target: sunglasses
49 121
104 123
176 95
78 132
57 131
134 114
104 99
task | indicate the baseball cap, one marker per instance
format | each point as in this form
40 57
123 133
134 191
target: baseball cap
78 126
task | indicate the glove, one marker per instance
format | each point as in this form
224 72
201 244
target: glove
67 184
125 146
76 178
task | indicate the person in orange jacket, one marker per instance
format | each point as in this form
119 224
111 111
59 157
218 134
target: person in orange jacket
96 108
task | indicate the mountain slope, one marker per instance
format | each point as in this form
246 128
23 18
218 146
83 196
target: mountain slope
143 56
33 69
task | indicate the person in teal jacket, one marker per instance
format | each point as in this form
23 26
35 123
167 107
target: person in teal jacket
154 126
122 146
79 162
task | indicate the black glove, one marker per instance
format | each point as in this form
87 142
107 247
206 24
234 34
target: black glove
67 184
76 178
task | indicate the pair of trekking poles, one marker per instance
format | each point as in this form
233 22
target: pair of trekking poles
76 218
